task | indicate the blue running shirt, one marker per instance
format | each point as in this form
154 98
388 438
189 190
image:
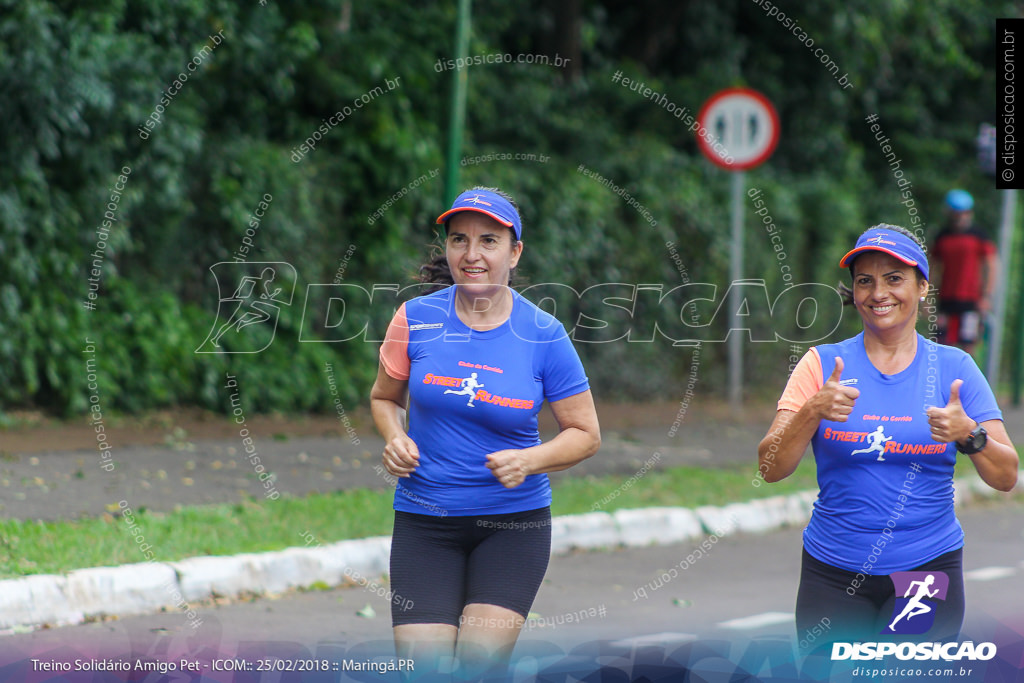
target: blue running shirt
472 393
886 489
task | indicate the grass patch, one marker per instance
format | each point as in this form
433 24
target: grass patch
30 547
33 547
675 487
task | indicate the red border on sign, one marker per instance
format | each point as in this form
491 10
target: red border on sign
709 151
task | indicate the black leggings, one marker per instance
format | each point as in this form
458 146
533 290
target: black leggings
441 564
826 611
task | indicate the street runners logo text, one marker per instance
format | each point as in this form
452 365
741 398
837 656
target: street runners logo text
473 388
878 443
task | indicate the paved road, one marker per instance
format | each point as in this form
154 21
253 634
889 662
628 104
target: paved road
740 592
65 484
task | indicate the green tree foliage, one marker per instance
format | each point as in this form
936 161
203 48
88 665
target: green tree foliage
79 81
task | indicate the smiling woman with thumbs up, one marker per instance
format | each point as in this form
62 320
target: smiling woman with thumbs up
885 412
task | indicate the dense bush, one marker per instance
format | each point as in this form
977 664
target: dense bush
80 80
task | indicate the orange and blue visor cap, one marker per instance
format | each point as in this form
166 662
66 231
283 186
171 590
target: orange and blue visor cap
489 204
896 244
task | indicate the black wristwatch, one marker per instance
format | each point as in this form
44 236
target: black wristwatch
976 442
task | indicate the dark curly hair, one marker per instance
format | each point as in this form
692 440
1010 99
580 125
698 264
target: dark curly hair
436 271
846 292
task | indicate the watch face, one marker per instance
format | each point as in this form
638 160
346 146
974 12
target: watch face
976 441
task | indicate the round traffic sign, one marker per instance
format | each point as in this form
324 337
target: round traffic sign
739 129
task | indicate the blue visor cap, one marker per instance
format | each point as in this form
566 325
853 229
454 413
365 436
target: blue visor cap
489 204
890 242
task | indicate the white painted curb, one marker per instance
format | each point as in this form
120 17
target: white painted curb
131 589
36 600
590 530
657 526
82 594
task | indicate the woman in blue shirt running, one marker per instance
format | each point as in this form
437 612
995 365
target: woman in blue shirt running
886 412
475 362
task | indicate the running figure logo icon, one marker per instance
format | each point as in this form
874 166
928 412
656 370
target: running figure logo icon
914 612
880 240
469 387
256 299
876 443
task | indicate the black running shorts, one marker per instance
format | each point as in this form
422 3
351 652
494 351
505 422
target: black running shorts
441 564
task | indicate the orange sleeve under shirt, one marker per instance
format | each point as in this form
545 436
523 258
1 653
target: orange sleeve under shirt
394 352
805 382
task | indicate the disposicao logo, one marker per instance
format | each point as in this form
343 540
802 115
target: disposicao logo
914 613
917 594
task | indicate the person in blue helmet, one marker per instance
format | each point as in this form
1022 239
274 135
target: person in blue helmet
886 412
966 267
474 362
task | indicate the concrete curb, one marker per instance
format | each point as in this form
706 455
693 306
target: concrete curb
61 600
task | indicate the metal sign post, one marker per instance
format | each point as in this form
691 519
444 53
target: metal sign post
457 120
735 274
739 129
1006 221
